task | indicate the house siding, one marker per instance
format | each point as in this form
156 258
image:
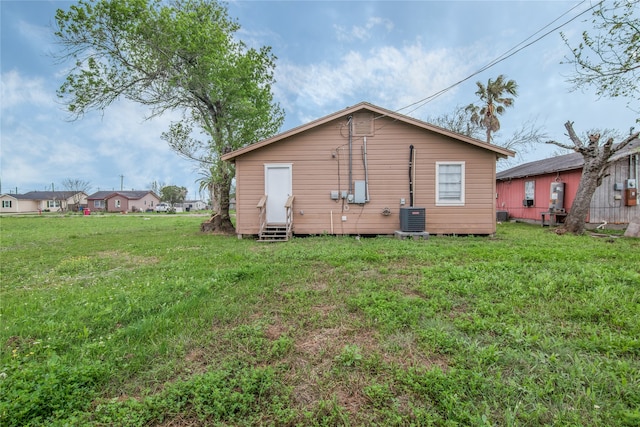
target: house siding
511 194
37 201
112 204
131 205
9 199
147 202
320 163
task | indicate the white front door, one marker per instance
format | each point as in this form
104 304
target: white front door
277 187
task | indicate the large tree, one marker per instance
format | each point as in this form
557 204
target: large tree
608 56
178 55
494 99
173 194
597 156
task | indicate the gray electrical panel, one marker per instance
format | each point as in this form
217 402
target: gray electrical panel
556 200
359 192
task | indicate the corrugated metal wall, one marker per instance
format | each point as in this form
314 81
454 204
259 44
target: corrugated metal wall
608 204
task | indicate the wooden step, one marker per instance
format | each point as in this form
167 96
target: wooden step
274 233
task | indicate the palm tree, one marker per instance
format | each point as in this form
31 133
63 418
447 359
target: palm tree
494 102
207 182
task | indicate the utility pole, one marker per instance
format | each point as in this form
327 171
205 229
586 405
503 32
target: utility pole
121 182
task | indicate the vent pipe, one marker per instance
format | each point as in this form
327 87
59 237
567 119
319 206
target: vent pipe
366 170
350 119
411 175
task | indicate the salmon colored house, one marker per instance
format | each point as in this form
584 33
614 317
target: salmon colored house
123 201
527 191
366 170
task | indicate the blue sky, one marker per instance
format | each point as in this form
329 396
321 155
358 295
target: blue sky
330 55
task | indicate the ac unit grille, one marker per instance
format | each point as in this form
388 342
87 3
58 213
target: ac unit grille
412 219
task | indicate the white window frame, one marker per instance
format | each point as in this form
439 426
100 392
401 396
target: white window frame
98 204
53 204
6 203
460 201
530 190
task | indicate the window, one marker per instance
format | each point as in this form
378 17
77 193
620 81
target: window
53 203
99 204
117 203
449 183
529 193
6 203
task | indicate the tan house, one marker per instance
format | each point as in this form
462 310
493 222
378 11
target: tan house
42 201
366 170
123 201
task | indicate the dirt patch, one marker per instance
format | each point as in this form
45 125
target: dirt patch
350 398
401 349
275 330
197 361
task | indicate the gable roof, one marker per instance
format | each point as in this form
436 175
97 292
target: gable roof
559 163
130 195
540 167
502 152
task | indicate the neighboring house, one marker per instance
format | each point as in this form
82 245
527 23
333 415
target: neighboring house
123 201
524 191
359 170
194 205
42 201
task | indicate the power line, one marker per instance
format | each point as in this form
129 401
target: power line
509 53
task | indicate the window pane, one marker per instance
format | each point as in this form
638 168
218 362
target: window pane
450 182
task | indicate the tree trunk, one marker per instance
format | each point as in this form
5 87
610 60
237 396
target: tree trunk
596 162
216 225
576 219
220 222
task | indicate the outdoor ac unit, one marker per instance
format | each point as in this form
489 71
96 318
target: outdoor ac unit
412 219
502 216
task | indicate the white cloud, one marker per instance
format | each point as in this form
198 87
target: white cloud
37 35
362 33
17 90
97 148
389 76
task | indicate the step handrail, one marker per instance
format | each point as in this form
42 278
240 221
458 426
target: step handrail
262 214
289 214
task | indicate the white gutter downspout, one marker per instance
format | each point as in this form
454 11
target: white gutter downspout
366 170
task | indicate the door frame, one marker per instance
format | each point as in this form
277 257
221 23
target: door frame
289 190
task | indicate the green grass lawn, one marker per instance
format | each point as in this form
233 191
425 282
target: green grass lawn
142 320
